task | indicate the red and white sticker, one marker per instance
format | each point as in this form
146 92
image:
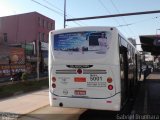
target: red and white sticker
80 92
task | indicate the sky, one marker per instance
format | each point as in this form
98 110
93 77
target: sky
129 26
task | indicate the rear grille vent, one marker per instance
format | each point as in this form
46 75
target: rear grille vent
94 71
65 71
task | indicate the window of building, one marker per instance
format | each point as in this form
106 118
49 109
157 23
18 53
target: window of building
39 21
5 37
43 37
51 26
48 25
39 36
43 23
47 37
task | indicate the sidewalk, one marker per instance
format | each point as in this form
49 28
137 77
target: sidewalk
154 76
26 103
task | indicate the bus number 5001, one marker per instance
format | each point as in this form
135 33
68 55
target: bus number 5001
95 78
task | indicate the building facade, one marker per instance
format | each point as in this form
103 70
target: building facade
28 27
20 40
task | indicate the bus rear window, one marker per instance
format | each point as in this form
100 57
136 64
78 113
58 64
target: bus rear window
81 45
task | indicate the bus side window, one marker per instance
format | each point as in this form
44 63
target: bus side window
124 73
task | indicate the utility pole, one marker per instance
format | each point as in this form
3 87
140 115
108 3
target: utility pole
9 61
64 13
38 59
25 55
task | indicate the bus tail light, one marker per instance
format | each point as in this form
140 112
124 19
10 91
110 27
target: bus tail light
109 79
53 85
110 87
53 79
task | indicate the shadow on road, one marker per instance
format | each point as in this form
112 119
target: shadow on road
107 115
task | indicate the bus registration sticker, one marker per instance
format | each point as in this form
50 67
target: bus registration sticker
96 81
80 92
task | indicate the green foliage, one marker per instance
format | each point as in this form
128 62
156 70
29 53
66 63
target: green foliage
24 76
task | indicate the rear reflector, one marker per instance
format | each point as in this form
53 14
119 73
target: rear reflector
94 71
80 92
53 85
79 79
110 87
109 79
53 79
108 101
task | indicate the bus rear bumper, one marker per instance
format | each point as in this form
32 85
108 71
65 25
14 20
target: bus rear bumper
112 103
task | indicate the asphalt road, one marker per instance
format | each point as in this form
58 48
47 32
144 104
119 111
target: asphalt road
107 115
153 87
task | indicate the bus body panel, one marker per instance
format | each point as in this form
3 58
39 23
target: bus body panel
113 103
92 81
95 98
78 75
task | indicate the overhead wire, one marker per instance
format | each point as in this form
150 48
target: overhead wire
122 17
67 15
56 11
59 13
102 4
137 22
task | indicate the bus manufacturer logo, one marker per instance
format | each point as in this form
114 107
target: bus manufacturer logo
64 80
65 92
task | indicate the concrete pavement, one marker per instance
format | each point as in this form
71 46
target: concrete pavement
53 113
154 76
35 106
26 103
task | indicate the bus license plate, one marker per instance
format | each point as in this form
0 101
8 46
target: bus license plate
80 92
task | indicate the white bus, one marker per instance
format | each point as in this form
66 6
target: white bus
91 67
